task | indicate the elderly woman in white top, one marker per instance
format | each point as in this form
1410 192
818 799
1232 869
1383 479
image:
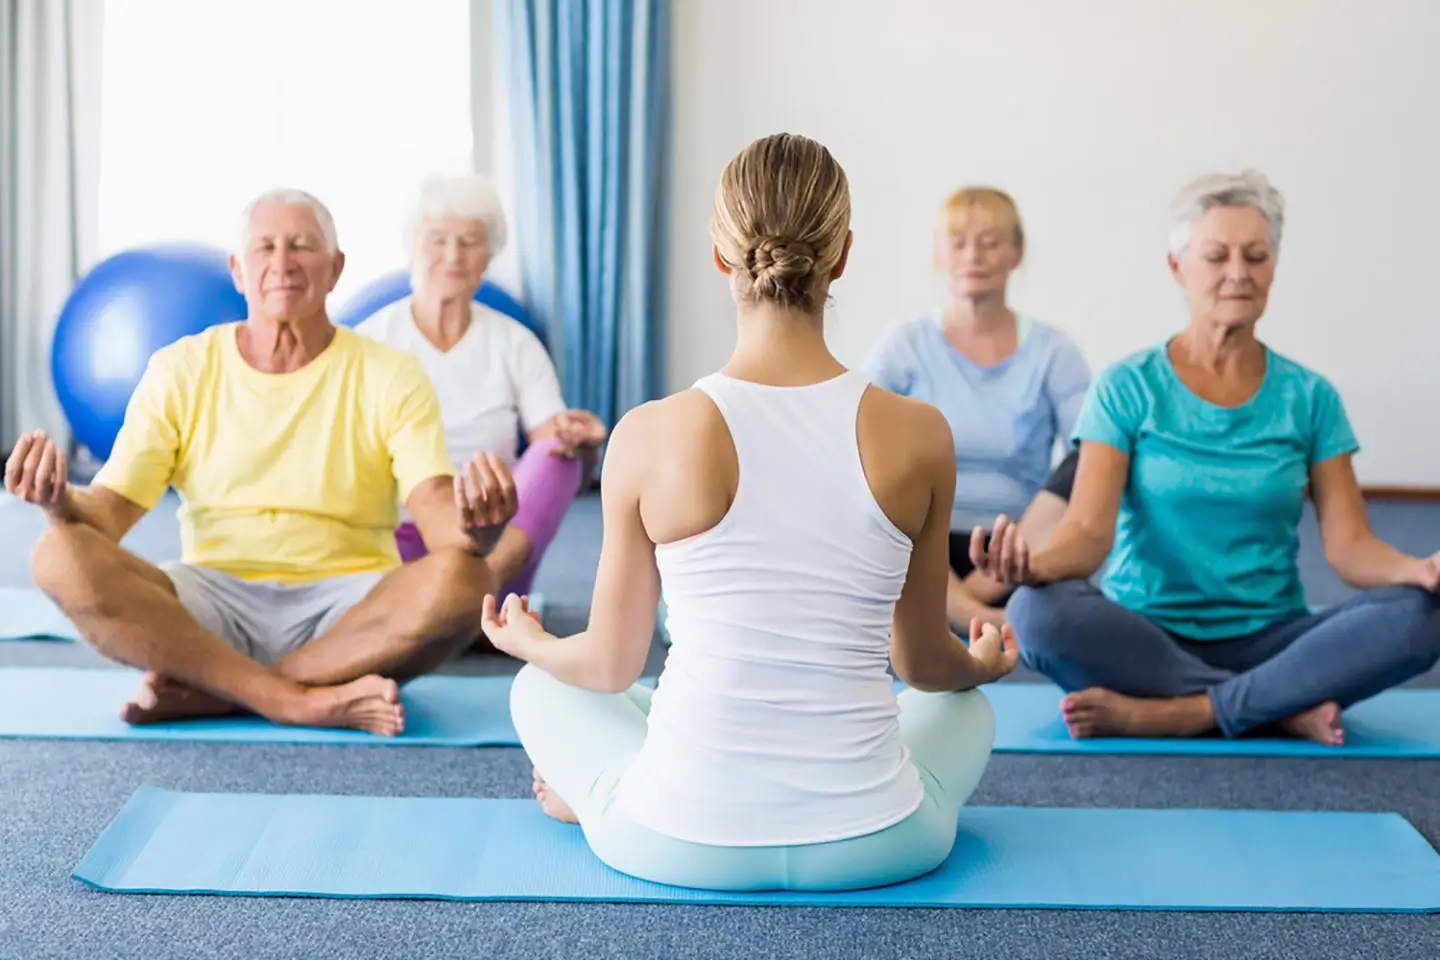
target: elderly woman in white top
492 373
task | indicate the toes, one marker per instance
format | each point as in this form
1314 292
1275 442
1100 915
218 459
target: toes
393 719
383 726
378 717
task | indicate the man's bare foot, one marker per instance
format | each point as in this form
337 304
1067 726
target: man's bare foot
1098 712
371 704
159 699
1321 724
551 803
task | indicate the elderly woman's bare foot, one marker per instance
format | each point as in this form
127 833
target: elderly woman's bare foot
1098 712
550 801
1320 723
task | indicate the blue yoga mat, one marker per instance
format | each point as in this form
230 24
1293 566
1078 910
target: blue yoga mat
1036 857
74 703
27 614
84 704
1397 723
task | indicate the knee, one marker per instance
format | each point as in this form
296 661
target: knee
529 684
447 601
546 485
532 694
966 716
975 719
457 578
973 712
1027 607
57 564
1417 619
951 736
544 447
1042 618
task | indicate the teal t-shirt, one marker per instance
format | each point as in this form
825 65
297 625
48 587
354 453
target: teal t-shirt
1208 532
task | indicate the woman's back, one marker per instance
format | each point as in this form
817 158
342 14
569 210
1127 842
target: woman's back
796 520
783 518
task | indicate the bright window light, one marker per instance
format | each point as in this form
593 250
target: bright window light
207 104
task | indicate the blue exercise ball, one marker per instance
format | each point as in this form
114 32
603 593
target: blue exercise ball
387 289
118 315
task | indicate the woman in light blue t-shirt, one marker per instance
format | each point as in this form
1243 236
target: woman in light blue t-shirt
1009 385
1195 456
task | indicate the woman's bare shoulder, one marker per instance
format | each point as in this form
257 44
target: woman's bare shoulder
912 425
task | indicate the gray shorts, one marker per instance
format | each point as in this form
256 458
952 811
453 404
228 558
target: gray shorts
265 621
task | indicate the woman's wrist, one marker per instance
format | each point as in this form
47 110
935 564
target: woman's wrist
1041 568
1411 571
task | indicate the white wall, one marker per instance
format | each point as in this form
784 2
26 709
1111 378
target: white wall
1091 115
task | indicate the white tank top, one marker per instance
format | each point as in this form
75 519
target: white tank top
775 721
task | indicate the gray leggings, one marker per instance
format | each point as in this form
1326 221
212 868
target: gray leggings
1073 634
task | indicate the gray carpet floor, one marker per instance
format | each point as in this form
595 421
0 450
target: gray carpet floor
56 798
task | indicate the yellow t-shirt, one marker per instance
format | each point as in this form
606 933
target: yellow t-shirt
288 477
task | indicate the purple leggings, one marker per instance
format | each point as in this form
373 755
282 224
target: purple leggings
545 486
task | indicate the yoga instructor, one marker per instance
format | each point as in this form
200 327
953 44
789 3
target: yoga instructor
796 519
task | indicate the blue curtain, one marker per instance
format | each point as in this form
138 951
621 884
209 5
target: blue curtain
589 103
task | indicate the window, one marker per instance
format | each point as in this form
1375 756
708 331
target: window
205 105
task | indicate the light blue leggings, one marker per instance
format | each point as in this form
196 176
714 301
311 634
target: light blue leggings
582 742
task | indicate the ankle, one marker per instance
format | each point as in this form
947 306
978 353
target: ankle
284 699
1193 714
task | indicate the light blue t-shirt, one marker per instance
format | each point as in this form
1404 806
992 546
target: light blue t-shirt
1005 419
1207 537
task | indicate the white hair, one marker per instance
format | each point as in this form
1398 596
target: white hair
289 195
467 197
1248 188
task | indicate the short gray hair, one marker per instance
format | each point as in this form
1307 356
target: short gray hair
290 196
467 197
1248 188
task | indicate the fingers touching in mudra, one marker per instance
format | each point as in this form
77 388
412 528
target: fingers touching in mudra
36 471
511 625
996 651
485 494
1005 558
579 432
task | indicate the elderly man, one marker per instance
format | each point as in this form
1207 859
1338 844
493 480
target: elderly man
292 443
